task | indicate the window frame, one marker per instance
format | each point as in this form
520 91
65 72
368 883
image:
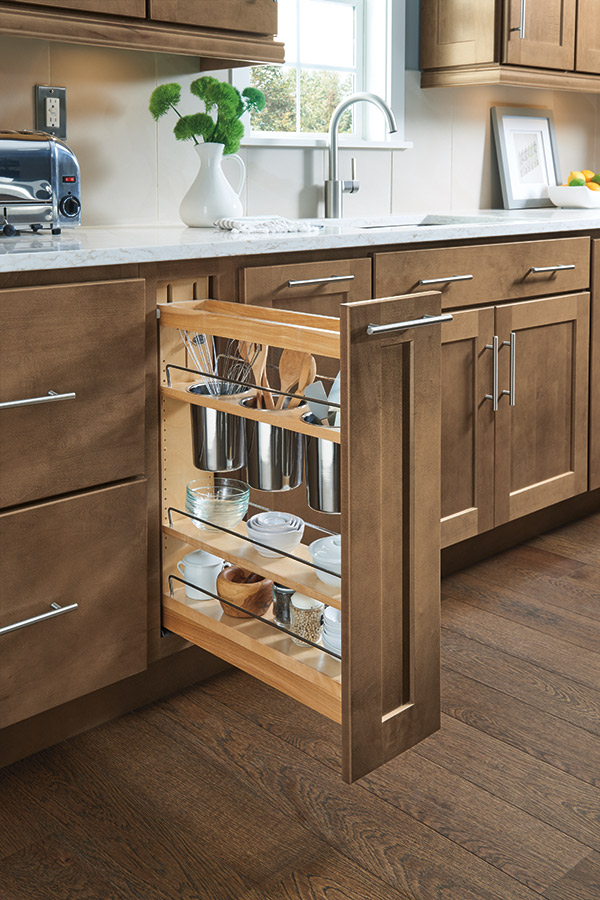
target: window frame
390 86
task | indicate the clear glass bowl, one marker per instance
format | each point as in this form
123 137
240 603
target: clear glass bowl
224 502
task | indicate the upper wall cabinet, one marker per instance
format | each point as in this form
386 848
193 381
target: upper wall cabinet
222 33
533 43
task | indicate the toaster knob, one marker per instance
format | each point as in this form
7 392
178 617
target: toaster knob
69 206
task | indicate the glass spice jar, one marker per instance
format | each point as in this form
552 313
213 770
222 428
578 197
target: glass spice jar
281 604
306 618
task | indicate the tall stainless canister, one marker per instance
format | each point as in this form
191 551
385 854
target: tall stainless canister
322 472
275 456
219 440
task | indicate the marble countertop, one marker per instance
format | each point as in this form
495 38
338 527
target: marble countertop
121 245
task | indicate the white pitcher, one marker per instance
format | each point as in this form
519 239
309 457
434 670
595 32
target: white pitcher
211 196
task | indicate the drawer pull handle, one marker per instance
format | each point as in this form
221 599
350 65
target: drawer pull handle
446 280
330 280
55 611
513 367
521 26
495 347
411 323
51 397
551 268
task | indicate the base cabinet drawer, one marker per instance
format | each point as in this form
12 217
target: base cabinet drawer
86 552
86 340
488 272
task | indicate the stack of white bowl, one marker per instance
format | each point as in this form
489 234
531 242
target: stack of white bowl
280 530
332 629
327 552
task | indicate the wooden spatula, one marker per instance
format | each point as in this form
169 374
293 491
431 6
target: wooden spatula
258 369
307 376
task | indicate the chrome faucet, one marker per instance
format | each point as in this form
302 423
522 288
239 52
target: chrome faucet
334 188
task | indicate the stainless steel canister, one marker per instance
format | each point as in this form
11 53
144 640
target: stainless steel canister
219 440
322 472
275 455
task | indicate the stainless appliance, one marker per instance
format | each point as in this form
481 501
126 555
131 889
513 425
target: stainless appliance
39 183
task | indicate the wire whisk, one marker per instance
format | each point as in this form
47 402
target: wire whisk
234 364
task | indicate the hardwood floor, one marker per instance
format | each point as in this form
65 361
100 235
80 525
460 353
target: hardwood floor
231 791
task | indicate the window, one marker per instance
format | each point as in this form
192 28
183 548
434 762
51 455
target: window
333 49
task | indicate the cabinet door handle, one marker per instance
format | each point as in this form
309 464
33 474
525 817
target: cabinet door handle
551 268
521 26
411 323
24 623
513 366
494 347
50 397
445 280
330 280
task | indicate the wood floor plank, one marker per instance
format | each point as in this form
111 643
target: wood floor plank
122 836
534 610
22 823
545 737
49 871
575 663
578 541
392 846
558 799
581 883
579 591
525 568
540 688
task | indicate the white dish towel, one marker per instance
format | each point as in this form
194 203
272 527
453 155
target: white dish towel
264 225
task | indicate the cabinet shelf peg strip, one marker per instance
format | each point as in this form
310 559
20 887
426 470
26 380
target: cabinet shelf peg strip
251 615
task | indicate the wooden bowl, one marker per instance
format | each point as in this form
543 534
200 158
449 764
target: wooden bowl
245 589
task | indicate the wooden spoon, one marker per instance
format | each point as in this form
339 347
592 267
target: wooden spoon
290 370
258 369
268 401
307 376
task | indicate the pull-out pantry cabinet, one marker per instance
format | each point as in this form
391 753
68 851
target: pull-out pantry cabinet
385 688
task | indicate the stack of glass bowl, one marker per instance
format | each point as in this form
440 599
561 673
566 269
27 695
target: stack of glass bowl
327 552
280 530
224 502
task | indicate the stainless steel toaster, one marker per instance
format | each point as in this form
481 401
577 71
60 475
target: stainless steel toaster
39 183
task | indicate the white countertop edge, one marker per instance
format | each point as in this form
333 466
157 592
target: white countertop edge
125 245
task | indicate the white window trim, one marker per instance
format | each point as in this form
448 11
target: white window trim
394 93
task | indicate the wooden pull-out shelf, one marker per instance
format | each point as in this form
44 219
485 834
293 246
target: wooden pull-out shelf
276 327
282 570
305 673
291 419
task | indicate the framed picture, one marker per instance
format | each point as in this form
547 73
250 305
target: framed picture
527 155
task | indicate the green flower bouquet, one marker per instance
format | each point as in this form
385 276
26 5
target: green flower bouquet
218 96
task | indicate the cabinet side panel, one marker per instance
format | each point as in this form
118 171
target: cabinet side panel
595 371
391 511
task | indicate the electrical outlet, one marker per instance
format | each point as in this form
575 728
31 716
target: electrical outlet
51 110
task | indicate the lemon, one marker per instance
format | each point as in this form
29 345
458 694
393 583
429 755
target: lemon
577 182
587 174
593 186
576 175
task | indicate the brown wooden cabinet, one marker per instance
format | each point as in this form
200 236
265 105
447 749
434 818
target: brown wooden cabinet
221 33
255 16
84 343
86 555
537 43
385 689
594 481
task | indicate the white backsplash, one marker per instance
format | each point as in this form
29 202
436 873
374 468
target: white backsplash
135 172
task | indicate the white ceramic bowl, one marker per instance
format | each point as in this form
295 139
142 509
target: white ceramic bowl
331 644
327 552
280 530
332 622
574 197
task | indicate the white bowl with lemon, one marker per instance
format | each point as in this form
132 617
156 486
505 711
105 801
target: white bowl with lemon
582 191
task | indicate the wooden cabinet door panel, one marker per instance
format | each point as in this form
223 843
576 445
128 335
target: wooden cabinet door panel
91 550
132 8
457 33
595 370
467 425
541 441
391 526
548 40
254 16
83 338
587 57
